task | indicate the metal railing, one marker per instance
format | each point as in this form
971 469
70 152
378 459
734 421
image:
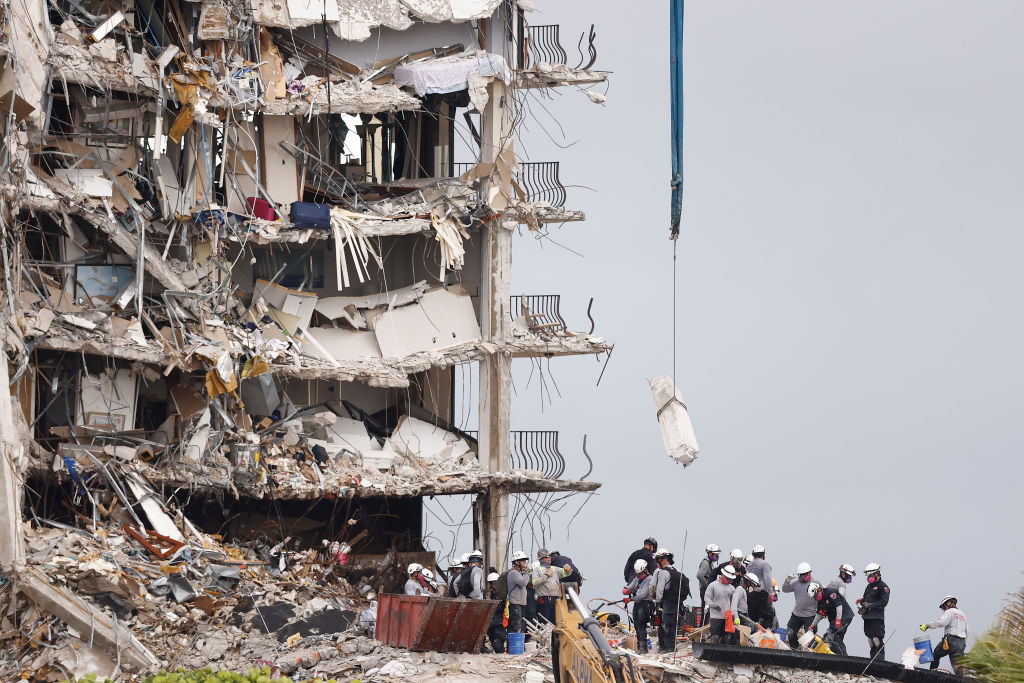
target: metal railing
543 44
539 179
542 312
535 449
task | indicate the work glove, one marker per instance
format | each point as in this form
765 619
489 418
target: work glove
924 627
774 597
839 624
625 591
625 601
736 621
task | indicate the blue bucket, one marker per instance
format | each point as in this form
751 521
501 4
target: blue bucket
782 633
924 643
516 643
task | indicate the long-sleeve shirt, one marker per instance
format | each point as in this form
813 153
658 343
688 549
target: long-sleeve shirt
739 601
704 575
517 581
661 579
545 581
834 606
763 571
876 597
953 622
413 587
643 554
642 587
718 599
477 582
562 562
838 585
805 605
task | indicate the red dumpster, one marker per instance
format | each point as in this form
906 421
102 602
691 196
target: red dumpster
417 622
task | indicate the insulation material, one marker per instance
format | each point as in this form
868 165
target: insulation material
282 181
291 302
107 400
450 234
450 74
341 345
676 428
418 440
440 320
334 307
350 239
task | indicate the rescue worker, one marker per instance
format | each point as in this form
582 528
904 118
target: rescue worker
641 591
748 582
718 600
762 597
545 581
413 585
846 574
571 577
496 631
872 610
707 568
454 567
804 606
833 605
645 553
736 562
671 588
518 576
953 623
471 578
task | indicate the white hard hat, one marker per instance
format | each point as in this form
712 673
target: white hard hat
728 572
736 554
748 559
427 574
803 568
662 552
519 555
464 559
848 569
640 565
947 599
493 576
751 577
712 548
454 563
758 549
476 556
415 567
813 588
477 551
872 568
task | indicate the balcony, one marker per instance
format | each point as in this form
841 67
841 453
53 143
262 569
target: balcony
541 61
537 449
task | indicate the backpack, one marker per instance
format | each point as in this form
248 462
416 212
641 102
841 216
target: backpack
464 583
678 588
502 589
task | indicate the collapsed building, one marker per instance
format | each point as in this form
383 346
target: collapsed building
247 246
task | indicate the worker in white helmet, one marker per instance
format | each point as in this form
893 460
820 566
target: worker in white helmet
671 588
953 623
805 606
518 578
846 574
761 598
872 609
641 591
832 605
718 601
707 568
454 567
414 585
496 631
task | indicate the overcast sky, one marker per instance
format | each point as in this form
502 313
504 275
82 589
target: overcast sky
849 313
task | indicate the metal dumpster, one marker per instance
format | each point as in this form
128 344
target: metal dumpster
417 622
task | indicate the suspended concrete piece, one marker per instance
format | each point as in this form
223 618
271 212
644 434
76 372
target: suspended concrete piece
676 428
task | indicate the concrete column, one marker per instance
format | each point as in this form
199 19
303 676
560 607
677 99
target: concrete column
495 323
12 545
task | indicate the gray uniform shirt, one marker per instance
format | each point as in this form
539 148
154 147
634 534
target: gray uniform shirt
642 589
413 587
661 579
545 581
477 581
763 571
718 599
838 585
953 622
704 572
805 606
739 602
517 581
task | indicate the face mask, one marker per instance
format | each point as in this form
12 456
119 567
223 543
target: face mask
871 579
848 579
819 596
804 578
714 558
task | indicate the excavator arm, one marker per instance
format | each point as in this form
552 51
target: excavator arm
579 650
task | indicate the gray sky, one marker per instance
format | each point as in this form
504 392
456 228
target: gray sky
849 285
